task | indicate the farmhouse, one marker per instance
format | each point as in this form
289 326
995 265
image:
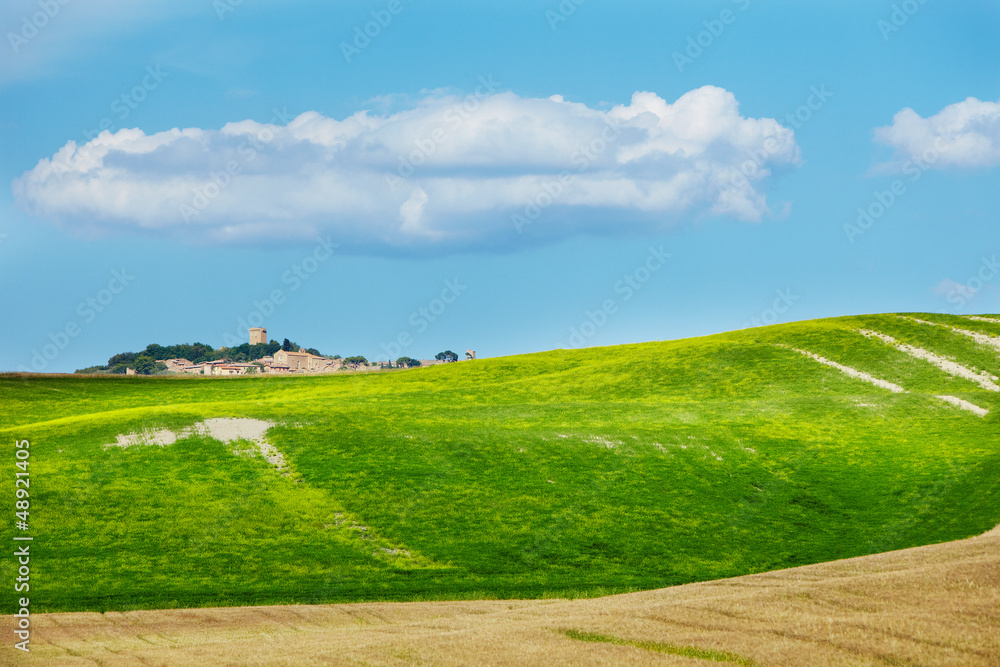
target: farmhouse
176 365
204 368
303 361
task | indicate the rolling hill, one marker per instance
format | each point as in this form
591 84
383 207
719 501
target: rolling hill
571 473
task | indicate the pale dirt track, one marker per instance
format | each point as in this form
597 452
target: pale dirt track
933 605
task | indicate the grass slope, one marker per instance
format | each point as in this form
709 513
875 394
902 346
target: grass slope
569 473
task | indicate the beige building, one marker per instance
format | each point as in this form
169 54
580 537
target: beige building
176 365
208 368
258 336
235 369
300 361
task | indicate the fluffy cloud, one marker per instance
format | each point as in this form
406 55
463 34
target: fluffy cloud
449 172
965 134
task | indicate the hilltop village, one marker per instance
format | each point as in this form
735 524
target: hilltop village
292 361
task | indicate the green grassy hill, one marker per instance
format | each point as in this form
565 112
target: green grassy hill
577 472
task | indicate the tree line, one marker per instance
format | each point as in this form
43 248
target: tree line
150 360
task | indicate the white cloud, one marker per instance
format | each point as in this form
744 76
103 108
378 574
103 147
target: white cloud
964 134
448 172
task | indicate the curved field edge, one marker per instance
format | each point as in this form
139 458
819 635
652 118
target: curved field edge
937 604
566 473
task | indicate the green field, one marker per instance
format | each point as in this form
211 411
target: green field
564 473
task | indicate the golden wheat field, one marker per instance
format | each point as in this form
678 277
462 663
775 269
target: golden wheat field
931 605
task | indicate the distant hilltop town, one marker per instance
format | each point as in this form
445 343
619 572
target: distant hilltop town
258 356
281 361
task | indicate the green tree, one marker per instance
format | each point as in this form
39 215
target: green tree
144 365
92 369
195 353
354 362
154 351
286 345
313 350
407 362
446 356
126 358
243 349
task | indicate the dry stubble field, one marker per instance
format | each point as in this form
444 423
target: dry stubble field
931 605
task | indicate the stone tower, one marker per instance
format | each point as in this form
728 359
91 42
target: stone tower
258 336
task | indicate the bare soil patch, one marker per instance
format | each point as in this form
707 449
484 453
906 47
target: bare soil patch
981 338
854 373
965 405
223 429
983 379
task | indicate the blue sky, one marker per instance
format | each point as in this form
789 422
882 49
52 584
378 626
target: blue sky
669 203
